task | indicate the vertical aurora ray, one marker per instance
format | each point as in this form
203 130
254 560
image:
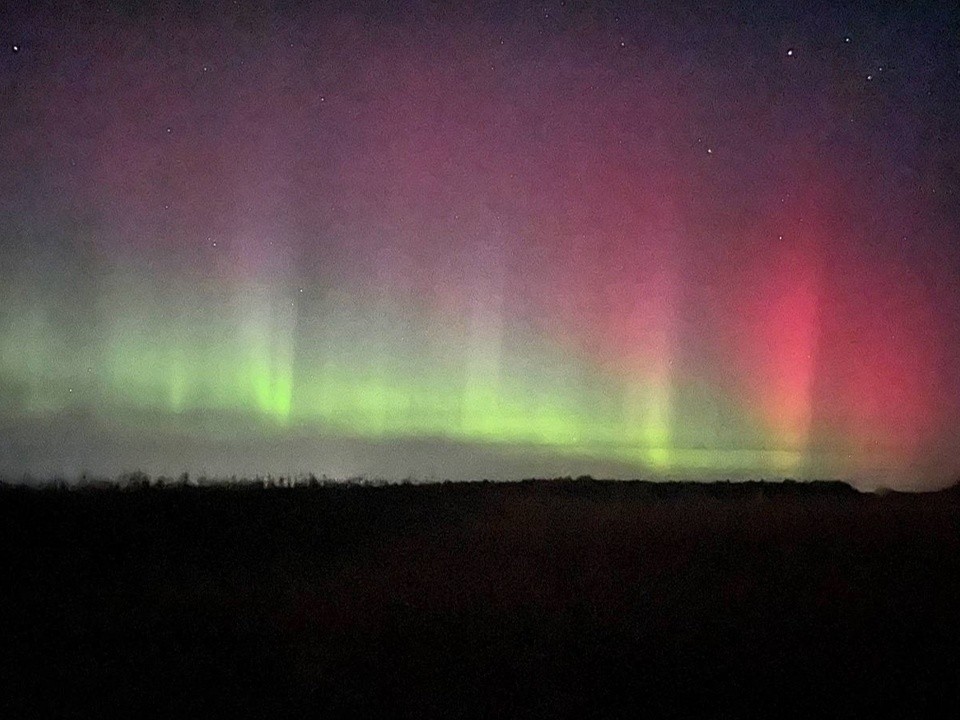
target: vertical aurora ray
484 406
648 410
780 361
268 324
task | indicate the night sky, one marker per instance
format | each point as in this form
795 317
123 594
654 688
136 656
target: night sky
695 240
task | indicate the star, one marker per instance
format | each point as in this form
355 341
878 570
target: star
16 48
846 39
790 52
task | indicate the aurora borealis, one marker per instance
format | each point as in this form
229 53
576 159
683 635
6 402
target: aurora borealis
704 240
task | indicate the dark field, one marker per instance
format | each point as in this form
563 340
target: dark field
540 599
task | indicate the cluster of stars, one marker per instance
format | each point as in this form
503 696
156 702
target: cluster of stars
791 52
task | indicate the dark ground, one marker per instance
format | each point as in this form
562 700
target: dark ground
540 599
